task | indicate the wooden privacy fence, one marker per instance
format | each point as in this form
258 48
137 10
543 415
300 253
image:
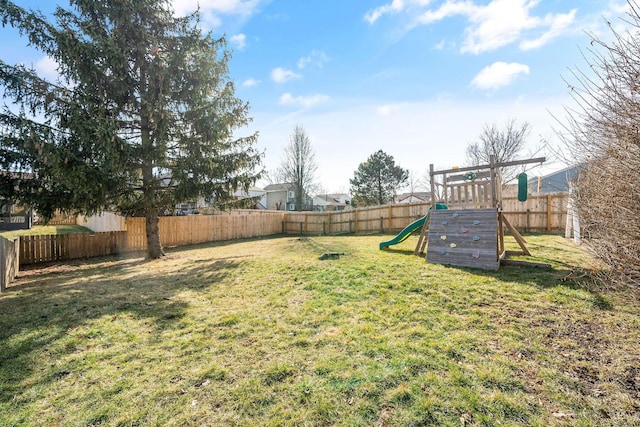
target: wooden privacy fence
8 262
194 229
62 219
377 219
174 231
544 213
62 247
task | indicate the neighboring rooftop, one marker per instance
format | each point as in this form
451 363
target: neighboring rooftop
554 182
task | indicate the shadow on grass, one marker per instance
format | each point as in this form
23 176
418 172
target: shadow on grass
43 308
224 243
559 275
402 252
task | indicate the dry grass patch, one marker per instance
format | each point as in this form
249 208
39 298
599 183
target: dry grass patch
262 332
38 230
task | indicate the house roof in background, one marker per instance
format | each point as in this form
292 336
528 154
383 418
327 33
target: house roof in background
555 181
422 195
330 196
278 187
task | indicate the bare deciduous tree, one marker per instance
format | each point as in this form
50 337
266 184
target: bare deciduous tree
603 135
298 165
415 183
503 143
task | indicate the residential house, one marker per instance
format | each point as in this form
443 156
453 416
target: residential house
554 182
254 192
331 202
14 217
414 197
283 197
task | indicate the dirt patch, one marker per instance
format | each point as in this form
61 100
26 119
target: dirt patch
631 381
583 341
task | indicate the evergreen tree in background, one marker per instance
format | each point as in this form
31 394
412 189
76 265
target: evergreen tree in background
142 116
376 181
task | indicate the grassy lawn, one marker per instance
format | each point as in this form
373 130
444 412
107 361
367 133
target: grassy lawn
263 333
44 230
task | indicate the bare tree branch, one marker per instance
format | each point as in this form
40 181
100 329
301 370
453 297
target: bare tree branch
502 143
298 165
602 134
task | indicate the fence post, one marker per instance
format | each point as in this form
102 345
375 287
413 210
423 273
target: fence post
324 228
350 220
283 226
549 212
3 266
382 225
9 261
356 222
301 224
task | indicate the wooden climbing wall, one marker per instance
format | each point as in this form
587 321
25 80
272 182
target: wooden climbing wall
464 238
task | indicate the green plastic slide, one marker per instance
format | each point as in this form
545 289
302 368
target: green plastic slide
409 229
406 232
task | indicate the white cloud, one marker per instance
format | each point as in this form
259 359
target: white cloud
47 67
251 82
230 7
303 62
446 10
394 7
386 110
499 23
239 40
499 74
495 24
440 45
558 24
316 57
211 11
619 8
281 75
303 101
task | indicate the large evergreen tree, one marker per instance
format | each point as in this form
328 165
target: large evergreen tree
376 181
142 116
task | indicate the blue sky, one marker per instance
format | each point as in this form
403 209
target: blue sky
416 78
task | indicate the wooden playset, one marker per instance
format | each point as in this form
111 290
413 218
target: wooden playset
470 232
